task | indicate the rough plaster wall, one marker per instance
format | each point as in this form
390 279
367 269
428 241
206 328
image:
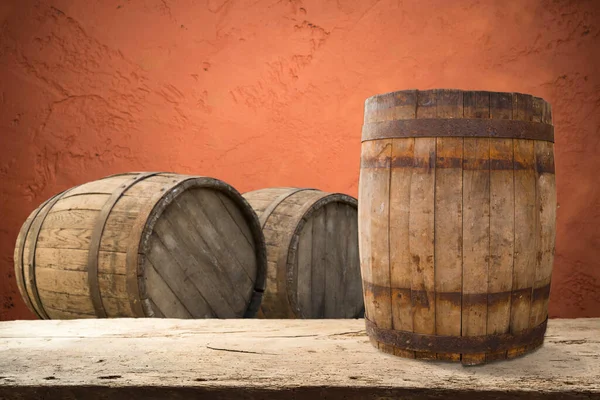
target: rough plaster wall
263 93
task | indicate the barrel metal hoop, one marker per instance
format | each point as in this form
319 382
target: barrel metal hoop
36 228
254 305
275 203
456 344
96 237
457 299
458 127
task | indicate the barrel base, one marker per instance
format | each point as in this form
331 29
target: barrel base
457 357
469 350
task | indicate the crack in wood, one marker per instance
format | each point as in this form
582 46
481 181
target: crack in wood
239 351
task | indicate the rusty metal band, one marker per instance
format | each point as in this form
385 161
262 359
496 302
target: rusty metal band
423 297
456 344
458 127
254 305
36 228
96 237
20 273
275 203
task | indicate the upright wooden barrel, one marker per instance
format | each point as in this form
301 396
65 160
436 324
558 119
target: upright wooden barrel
457 208
312 251
142 245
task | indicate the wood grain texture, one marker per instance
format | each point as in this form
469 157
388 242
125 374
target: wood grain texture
374 228
502 226
352 282
471 221
403 107
400 258
525 239
448 223
252 359
310 274
546 231
421 226
476 225
303 287
199 211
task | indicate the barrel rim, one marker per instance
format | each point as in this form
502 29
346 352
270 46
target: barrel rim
397 114
147 220
449 89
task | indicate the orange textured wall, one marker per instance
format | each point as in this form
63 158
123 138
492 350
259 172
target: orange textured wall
265 92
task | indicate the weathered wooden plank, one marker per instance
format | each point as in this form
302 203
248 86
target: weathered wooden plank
421 240
62 314
176 278
353 295
448 238
76 304
546 211
400 259
525 247
525 238
230 244
374 228
502 225
342 230
84 202
448 223
303 288
421 225
148 187
240 220
66 238
76 282
272 359
333 289
170 303
404 107
188 249
319 246
106 186
500 275
76 260
476 226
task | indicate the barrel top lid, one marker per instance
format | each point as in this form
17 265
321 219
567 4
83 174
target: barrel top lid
455 112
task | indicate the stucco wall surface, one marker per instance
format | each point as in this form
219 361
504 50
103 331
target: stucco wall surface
271 92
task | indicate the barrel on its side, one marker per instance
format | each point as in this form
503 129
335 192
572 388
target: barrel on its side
142 245
312 250
457 209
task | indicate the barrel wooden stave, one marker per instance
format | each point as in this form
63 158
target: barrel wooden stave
452 207
128 284
297 225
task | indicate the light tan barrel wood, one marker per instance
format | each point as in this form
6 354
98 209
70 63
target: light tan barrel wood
457 210
312 251
142 245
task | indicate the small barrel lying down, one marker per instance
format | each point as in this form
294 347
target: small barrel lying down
313 268
142 245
